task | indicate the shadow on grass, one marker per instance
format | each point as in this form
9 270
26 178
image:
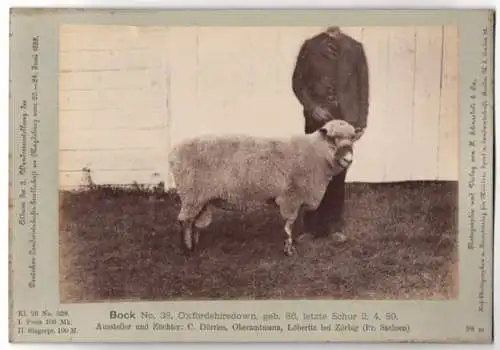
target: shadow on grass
124 244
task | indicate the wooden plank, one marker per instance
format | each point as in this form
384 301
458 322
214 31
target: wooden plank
109 59
166 82
270 87
355 32
183 73
112 160
238 86
448 154
109 80
283 112
425 131
112 119
115 139
400 85
91 100
261 60
72 180
223 76
369 159
106 37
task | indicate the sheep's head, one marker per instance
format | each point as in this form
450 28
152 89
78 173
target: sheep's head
340 136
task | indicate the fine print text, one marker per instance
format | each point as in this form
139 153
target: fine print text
58 322
337 322
27 169
44 322
479 167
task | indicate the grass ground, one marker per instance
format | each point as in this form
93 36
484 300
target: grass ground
124 244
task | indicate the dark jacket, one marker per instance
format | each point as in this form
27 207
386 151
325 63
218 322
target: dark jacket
332 72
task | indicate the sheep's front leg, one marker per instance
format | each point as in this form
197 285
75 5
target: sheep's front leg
289 209
289 247
187 235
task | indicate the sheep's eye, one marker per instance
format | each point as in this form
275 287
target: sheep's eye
333 139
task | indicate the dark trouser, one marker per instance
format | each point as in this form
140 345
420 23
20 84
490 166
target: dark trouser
328 217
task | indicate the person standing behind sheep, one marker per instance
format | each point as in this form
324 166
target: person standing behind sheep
330 80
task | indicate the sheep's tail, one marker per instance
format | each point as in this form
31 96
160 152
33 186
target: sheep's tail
174 165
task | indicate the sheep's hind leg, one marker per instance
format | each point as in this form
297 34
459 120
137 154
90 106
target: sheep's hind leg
187 236
196 237
189 232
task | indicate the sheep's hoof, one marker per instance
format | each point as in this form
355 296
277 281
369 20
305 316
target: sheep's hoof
194 248
187 252
289 250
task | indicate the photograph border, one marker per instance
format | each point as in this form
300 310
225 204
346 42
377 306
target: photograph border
33 246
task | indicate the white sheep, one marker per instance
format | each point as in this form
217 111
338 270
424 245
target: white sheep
232 172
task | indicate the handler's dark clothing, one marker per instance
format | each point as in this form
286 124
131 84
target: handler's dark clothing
332 72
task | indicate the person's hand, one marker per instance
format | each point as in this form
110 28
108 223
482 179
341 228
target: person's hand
359 133
321 114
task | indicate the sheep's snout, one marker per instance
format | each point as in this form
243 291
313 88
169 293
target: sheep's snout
345 156
346 160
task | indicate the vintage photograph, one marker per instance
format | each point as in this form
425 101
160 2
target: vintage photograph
258 162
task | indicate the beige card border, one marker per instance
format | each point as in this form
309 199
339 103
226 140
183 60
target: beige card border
457 320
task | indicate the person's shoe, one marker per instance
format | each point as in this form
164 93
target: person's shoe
309 229
338 237
335 232
320 233
304 237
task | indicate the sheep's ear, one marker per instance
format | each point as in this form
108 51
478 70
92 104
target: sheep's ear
357 135
328 136
324 132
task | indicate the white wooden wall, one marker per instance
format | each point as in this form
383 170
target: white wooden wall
127 94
